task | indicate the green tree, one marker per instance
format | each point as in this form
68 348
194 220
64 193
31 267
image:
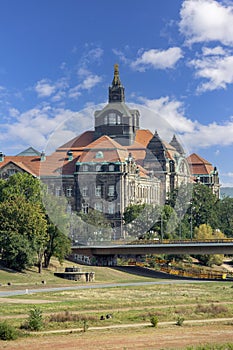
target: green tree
194 205
203 208
141 219
58 245
225 216
58 221
52 220
167 223
21 221
96 227
21 185
205 232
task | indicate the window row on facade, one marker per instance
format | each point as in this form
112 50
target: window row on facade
108 208
98 168
99 191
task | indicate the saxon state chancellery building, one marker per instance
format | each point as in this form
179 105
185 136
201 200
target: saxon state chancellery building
114 165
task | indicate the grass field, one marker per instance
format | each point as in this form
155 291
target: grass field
127 305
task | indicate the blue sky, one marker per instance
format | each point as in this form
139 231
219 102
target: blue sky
175 58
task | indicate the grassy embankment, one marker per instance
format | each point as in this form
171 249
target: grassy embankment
69 309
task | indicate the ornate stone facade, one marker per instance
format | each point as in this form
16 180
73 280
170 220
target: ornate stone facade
113 166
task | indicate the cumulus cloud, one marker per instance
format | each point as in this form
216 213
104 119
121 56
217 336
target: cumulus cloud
193 134
88 83
44 88
157 59
202 135
218 50
170 110
36 126
216 69
206 20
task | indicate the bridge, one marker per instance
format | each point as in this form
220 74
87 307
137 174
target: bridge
106 254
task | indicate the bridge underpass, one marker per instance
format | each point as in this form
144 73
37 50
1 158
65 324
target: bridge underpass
107 254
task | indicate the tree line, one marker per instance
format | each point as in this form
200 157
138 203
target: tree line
34 226
190 212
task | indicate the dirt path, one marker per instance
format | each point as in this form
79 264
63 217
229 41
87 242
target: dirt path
136 325
140 338
26 301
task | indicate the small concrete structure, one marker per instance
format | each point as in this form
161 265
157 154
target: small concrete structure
76 274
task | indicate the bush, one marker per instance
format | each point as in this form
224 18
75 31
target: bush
180 321
35 320
7 332
71 317
154 320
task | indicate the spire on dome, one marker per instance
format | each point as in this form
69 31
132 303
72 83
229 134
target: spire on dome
116 78
116 91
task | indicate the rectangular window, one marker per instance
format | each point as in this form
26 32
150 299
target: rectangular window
85 191
98 167
69 192
111 190
58 192
111 167
98 191
111 208
85 167
98 206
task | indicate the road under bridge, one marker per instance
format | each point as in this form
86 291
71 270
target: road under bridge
107 254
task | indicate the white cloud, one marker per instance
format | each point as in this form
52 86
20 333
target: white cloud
13 112
157 59
120 54
206 20
229 174
35 127
171 111
44 88
217 70
88 83
210 135
218 50
168 117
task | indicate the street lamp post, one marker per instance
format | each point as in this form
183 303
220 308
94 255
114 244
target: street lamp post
191 223
161 226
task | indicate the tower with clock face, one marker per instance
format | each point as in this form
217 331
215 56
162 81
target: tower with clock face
116 119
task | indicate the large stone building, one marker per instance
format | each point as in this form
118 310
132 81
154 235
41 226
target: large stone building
110 167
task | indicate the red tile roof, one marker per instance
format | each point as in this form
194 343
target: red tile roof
84 149
79 141
199 165
26 163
